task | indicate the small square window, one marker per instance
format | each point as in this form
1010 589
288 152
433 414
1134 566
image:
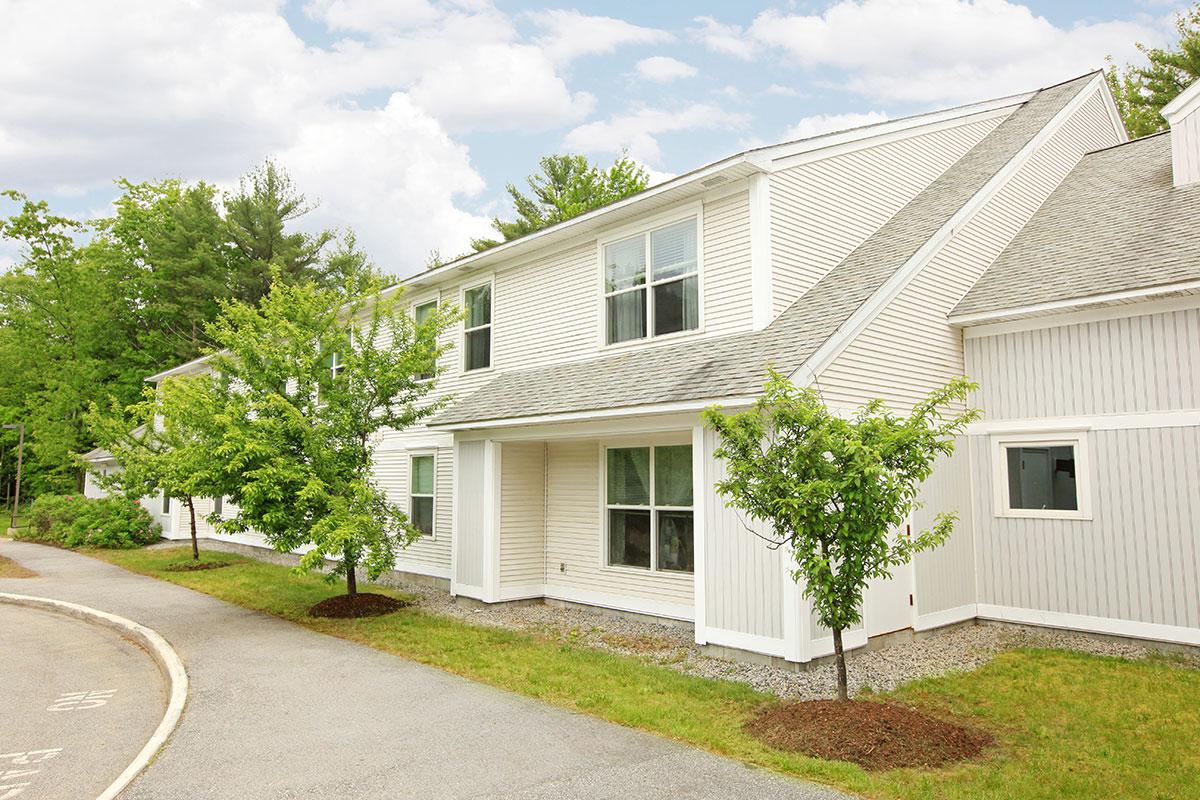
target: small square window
1041 476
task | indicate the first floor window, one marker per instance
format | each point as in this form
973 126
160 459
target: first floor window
421 493
652 284
166 503
649 507
218 505
1042 477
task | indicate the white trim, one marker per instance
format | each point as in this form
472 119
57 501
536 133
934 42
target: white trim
851 640
456 515
606 413
760 252
479 280
949 616
807 373
1123 296
1178 418
1185 103
1079 622
638 605
1077 439
700 492
424 440
796 612
1114 113
472 591
418 568
492 466
753 642
526 592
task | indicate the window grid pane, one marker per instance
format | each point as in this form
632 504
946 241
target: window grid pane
625 264
1042 478
676 306
478 349
629 476
626 316
673 250
629 538
422 475
478 302
422 514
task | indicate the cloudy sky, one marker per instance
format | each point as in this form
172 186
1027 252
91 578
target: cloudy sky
405 118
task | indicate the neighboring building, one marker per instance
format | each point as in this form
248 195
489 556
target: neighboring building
572 465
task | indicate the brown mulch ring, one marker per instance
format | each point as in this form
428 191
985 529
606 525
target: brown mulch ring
876 736
196 566
363 604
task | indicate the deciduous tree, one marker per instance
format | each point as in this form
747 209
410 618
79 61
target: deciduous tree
1141 92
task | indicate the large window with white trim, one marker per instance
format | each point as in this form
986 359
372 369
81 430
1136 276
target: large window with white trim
1041 476
652 283
477 327
422 492
649 517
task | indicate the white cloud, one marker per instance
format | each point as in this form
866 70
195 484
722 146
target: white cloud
926 51
827 123
637 130
572 34
720 38
370 16
664 69
779 90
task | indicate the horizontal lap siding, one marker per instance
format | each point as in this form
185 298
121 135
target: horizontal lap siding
1132 364
945 576
522 519
1137 559
549 310
727 291
575 533
910 348
821 211
744 575
392 474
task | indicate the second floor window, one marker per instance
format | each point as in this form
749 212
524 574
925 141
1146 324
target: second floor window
651 284
421 315
477 336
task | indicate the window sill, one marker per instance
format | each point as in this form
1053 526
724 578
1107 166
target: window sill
650 341
622 569
1034 513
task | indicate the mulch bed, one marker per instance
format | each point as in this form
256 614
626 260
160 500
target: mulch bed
196 566
363 604
876 736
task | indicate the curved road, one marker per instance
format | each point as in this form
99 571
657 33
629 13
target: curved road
277 711
77 703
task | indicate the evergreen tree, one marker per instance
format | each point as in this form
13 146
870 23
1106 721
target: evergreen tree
1141 92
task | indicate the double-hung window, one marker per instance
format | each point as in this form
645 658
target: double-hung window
166 503
422 493
218 505
649 507
652 283
421 315
477 327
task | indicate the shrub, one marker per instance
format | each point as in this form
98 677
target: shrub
77 521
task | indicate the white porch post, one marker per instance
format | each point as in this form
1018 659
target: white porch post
796 614
701 491
491 520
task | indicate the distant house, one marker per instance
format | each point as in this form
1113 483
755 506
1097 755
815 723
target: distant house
1020 241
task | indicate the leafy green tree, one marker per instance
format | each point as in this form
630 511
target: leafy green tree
164 443
834 488
1141 92
566 186
308 382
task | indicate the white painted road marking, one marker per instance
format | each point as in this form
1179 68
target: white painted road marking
76 701
31 756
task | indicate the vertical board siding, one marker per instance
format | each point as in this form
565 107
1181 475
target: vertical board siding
1133 364
575 533
821 211
910 348
945 576
1185 149
1137 559
522 518
744 576
727 289
470 514
392 476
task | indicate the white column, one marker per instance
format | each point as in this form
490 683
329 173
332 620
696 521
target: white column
491 520
701 491
760 251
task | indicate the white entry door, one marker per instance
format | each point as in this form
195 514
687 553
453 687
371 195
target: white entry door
887 604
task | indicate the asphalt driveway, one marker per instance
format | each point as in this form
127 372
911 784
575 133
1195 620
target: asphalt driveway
276 711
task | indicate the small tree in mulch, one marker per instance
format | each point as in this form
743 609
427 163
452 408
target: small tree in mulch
833 488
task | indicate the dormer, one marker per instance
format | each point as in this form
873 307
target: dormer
1183 115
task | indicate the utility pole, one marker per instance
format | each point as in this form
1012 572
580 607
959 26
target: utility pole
20 428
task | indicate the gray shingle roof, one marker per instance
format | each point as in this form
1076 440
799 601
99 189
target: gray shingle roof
735 365
1115 223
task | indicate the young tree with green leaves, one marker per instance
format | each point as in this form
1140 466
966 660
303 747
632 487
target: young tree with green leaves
308 383
833 489
164 443
565 187
1141 92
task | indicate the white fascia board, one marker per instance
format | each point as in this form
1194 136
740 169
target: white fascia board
601 414
1053 307
806 373
1185 103
182 369
1173 418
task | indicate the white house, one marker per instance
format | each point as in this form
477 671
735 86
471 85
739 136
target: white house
1021 241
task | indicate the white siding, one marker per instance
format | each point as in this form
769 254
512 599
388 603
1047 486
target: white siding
727 289
1138 558
1131 364
392 475
470 515
945 576
1185 149
744 581
822 210
910 348
575 534
522 516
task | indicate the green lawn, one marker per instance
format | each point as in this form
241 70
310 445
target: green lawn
1068 725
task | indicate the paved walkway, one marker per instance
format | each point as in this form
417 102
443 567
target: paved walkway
277 711
65 685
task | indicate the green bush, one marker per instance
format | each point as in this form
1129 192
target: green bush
72 520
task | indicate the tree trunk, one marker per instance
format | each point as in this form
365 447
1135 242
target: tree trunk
195 543
840 657
351 579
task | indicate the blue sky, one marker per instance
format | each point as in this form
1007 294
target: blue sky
406 118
